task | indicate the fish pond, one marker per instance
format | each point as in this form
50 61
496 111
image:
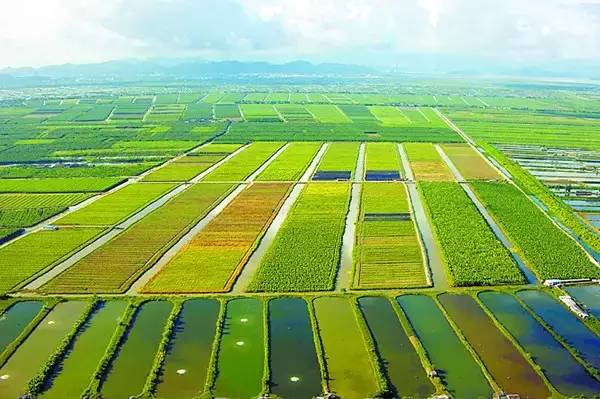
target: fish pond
14 320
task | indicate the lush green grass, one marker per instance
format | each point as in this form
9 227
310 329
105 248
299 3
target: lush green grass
305 253
291 164
340 157
36 252
244 163
328 114
546 248
116 206
472 253
382 156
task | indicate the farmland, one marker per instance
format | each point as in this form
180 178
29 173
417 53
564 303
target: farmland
289 238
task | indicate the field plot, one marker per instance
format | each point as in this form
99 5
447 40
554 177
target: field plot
19 263
294 113
88 170
130 111
99 113
71 377
113 208
391 116
295 370
291 164
14 320
189 166
29 358
327 114
165 113
227 111
382 162
255 97
457 369
190 349
526 127
426 163
58 185
472 253
24 210
243 164
350 368
241 357
305 253
115 265
338 163
215 256
396 353
544 246
387 252
259 113
358 113
197 112
567 375
130 368
511 371
469 163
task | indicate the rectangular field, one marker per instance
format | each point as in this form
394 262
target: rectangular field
470 163
115 265
327 113
259 113
58 185
18 262
211 261
426 163
244 163
305 253
339 158
472 253
383 157
291 164
388 253
116 206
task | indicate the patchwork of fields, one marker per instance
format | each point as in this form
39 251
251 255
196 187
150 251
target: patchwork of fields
289 243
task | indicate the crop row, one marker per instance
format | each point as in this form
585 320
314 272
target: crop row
545 247
472 253
211 261
305 253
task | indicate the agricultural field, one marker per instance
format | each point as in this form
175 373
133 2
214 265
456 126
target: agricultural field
289 238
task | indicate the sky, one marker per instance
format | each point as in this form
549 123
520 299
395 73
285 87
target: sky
367 32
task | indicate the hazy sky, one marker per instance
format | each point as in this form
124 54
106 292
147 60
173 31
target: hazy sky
40 32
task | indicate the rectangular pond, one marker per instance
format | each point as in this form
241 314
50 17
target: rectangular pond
457 369
72 375
129 371
14 320
562 370
565 324
183 374
509 368
241 358
349 367
29 358
403 367
295 370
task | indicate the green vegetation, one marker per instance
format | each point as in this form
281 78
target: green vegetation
472 253
382 157
470 164
339 157
58 185
388 253
291 164
426 163
244 163
115 265
544 246
305 253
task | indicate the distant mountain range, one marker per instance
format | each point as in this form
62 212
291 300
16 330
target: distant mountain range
185 68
